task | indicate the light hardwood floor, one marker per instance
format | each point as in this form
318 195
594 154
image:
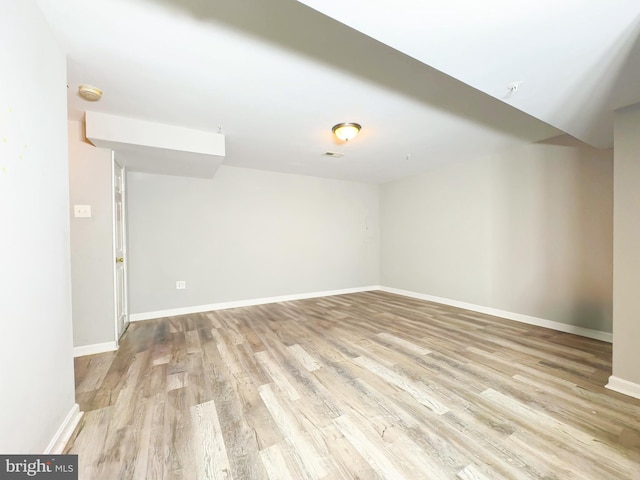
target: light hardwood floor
367 386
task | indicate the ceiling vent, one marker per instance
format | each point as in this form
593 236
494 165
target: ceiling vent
333 154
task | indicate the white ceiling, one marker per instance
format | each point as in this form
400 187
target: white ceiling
578 59
278 75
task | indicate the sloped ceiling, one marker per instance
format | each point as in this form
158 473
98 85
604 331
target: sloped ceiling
276 76
578 60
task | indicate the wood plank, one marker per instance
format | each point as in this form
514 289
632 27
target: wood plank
306 360
368 385
275 463
211 456
291 430
417 391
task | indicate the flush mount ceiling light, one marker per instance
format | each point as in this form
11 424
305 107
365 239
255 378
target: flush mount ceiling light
90 93
346 131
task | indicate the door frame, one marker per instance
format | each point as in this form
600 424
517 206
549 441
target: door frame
125 288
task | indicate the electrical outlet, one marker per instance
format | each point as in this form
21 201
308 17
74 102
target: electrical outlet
181 285
82 211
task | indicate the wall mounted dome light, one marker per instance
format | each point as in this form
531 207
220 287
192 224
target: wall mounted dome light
346 131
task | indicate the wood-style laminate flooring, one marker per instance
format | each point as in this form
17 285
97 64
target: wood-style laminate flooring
360 386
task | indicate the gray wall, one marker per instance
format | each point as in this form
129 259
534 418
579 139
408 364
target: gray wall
36 358
247 234
626 293
528 231
91 241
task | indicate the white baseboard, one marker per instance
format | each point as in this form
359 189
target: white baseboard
62 436
95 348
623 386
518 317
136 317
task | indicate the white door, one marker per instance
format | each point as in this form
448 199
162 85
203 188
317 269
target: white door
120 248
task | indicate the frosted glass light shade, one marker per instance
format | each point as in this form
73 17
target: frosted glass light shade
346 131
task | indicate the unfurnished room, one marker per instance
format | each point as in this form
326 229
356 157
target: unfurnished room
305 239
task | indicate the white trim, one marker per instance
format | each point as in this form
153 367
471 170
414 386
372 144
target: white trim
113 245
125 250
623 386
94 348
518 317
66 429
136 317
115 164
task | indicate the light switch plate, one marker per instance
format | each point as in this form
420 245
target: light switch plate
82 211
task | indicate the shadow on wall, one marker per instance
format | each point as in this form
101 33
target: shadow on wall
623 59
553 208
